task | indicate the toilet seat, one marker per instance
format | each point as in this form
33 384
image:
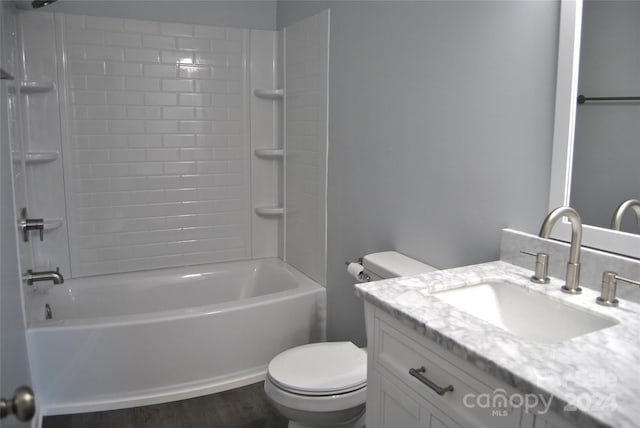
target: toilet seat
320 369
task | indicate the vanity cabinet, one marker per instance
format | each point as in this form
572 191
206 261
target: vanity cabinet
433 363
551 420
398 407
395 398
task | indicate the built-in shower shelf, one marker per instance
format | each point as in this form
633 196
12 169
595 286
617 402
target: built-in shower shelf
269 153
269 94
36 86
31 158
52 223
270 211
5 75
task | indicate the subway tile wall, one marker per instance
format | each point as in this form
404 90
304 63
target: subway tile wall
156 151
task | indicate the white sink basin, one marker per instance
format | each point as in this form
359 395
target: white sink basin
525 313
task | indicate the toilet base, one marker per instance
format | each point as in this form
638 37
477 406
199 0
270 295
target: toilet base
359 422
303 411
352 417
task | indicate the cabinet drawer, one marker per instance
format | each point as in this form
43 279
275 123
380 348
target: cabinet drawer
398 408
474 403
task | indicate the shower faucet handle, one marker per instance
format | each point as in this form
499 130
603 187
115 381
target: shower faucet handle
541 275
28 224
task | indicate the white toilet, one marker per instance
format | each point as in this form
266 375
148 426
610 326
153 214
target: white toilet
325 384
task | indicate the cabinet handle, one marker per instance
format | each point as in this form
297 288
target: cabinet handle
417 373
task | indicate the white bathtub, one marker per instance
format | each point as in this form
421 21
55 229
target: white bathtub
142 338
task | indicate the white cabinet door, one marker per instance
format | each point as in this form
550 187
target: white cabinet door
394 406
551 420
433 418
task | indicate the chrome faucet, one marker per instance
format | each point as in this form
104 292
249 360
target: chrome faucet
622 208
573 267
51 275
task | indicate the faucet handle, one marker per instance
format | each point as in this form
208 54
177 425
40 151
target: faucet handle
28 224
608 292
542 267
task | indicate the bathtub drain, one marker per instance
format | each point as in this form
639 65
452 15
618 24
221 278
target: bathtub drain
48 313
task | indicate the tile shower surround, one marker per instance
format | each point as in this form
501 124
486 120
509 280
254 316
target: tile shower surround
157 142
306 68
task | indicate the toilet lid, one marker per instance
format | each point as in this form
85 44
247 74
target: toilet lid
320 368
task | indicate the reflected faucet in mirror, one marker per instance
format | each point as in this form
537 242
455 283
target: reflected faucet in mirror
633 204
572 280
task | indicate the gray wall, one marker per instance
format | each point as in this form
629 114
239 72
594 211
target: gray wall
607 142
440 129
258 15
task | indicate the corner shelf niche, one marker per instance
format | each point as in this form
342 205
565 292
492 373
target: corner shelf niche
52 223
269 153
270 211
36 86
269 94
31 158
5 75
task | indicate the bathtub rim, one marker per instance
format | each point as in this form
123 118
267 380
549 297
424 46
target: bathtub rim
305 285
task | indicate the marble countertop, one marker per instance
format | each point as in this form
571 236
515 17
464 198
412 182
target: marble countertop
596 375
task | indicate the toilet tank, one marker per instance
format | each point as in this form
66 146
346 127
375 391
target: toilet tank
385 265
390 264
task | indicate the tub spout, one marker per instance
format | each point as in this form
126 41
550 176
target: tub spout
31 277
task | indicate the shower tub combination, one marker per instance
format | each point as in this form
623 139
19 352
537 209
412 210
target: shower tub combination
141 338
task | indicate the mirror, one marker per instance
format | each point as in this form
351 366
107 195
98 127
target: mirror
596 236
606 153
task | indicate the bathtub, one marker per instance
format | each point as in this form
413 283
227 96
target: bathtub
141 338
